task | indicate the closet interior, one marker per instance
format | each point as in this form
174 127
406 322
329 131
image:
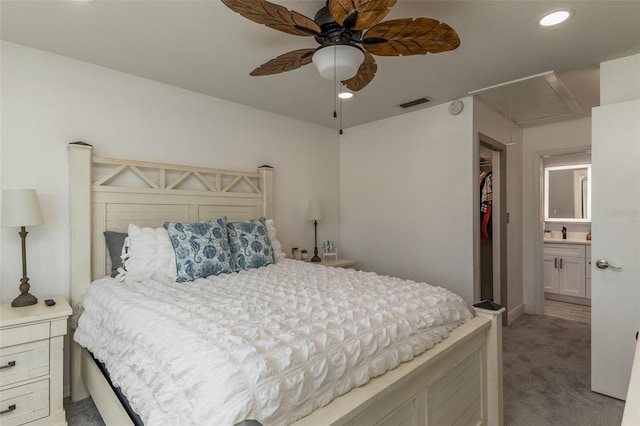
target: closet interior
493 218
486 225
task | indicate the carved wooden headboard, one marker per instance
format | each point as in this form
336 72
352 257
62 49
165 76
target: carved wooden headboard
108 194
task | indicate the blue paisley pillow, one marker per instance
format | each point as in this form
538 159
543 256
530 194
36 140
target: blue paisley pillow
250 244
202 249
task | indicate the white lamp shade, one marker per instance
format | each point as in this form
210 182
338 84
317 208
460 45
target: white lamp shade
315 212
20 207
347 61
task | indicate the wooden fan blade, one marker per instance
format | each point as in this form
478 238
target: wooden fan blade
359 14
274 16
287 62
365 74
410 37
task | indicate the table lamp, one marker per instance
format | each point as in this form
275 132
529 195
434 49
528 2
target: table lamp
315 213
20 207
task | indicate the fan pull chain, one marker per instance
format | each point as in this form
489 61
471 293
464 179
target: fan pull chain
335 90
335 96
340 132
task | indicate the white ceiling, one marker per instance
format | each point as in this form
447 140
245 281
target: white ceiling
205 47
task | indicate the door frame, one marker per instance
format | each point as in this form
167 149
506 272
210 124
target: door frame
538 243
494 145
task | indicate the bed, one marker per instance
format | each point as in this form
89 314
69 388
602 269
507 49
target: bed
457 381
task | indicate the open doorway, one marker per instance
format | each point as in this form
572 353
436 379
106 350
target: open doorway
492 244
565 203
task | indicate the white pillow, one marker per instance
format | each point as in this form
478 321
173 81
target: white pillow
149 255
278 254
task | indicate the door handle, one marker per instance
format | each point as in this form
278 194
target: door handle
555 263
560 263
603 264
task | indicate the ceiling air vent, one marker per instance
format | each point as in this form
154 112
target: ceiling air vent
415 102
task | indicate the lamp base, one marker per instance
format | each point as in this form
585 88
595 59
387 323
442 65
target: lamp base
315 258
24 300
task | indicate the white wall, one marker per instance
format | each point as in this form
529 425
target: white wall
503 130
620 80
563 137
406 201
49 100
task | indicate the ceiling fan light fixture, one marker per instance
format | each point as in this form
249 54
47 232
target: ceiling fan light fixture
345 94
555 17
347 61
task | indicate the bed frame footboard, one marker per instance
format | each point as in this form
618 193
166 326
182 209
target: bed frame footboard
459 381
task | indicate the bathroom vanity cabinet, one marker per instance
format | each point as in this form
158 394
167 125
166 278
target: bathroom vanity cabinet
565 270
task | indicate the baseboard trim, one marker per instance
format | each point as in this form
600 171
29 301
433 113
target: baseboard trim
529 309
515 313
66 391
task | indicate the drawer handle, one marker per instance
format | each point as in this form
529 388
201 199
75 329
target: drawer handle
9 365
8 410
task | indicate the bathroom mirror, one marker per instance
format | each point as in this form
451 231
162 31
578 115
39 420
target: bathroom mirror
567 193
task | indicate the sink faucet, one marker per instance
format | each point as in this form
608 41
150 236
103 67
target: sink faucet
564 232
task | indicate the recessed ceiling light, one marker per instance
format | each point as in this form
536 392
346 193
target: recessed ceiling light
345 95
555 17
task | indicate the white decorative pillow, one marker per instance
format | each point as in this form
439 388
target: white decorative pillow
150 255
278 254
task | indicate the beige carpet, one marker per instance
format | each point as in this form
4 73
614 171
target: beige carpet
547 380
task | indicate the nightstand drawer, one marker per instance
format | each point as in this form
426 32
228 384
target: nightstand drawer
23 362
24 403
24 334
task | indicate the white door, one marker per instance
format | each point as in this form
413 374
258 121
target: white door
615 210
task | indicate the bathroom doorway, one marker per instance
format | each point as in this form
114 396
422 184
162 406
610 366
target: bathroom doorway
565 203
493 219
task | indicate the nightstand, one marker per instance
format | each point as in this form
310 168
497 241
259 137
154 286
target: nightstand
339 263
31 344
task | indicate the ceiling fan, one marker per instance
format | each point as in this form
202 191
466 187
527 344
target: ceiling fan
349 32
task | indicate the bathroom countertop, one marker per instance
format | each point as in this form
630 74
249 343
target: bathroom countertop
567 241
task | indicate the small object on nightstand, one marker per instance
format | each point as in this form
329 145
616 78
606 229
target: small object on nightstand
49 302
295 253
333 255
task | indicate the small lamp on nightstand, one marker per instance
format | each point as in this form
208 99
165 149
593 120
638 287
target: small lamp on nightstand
20 207
315 213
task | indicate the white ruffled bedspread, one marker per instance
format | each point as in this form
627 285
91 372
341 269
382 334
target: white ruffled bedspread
271 344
